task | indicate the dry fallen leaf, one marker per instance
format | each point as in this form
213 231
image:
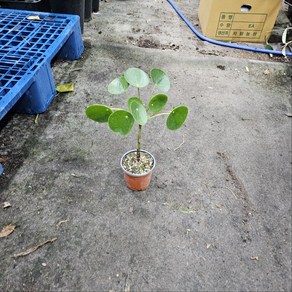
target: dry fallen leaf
3 159
254 258
247 69
33 17
266 72
32 249
36 120
65 87
6 205
7 230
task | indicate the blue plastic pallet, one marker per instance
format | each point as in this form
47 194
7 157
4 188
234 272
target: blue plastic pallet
27 48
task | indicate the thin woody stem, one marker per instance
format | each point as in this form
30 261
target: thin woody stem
139 134
139 142
139 92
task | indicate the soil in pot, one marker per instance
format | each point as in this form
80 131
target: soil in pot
137 172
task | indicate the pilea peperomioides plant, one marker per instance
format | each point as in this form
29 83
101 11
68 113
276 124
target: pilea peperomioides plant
138 163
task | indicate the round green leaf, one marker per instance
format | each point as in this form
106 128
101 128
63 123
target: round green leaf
136 77
160 79
118 85
157 103
98 113
121 122
139 112
177 117
130 100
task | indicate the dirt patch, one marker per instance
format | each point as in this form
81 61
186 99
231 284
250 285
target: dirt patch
152 44
146 43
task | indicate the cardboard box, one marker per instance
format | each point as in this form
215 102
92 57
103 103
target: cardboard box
238 20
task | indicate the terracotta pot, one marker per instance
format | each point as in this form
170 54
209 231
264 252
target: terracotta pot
137 182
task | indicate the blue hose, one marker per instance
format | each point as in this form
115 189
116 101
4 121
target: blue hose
224 44
1 169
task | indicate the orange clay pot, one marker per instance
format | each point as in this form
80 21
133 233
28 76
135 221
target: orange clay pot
137 182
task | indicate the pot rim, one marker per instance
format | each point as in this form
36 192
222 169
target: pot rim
133 174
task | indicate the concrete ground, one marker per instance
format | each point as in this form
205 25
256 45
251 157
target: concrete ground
217 215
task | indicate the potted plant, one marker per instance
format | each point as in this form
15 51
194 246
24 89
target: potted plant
138 163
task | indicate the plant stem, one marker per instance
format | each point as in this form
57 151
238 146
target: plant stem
139 95
153 88
139 142
157 115
139 134
151 93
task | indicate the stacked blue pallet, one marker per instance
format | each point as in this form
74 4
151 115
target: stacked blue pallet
28 43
